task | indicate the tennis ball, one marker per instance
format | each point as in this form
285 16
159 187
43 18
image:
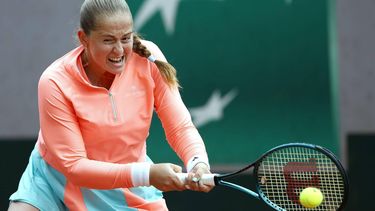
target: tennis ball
311 197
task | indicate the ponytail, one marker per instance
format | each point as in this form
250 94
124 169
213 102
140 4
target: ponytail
167 71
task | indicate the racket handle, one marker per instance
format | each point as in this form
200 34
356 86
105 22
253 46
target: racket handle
206 179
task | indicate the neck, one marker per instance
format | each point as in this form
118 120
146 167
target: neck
102 80
97 78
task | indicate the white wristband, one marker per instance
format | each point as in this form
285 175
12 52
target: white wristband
194 161
140 173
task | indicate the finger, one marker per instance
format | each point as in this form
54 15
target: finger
205 188
195 179
202 187
178 185
194 182
192 179
199 170
199 185
173 186
197 175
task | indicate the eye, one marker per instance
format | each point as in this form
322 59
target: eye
107 41
126 39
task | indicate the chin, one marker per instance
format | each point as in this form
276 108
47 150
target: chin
116 71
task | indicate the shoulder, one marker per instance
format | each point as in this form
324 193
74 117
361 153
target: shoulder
154 49
64 68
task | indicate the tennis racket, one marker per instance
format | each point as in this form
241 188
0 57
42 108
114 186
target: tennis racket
284 171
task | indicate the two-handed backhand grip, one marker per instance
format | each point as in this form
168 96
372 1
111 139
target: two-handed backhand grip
207 179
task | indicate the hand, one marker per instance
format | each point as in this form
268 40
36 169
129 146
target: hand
163 177
196 173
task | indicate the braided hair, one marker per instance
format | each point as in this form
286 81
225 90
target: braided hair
167 71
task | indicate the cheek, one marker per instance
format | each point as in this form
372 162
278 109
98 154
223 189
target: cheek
128 50
100 51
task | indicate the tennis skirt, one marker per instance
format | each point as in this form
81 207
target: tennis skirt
44 187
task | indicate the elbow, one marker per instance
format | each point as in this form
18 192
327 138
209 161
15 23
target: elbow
76 175
72 176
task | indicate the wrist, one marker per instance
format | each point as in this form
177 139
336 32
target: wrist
194 161
140 174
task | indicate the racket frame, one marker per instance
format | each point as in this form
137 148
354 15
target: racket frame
219 179
323 150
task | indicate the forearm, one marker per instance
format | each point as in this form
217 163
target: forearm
103 175
188 144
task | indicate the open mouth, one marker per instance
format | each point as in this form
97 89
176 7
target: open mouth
117 60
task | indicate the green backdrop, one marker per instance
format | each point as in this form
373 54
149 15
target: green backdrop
273 54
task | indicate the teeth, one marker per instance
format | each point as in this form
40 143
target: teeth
116 59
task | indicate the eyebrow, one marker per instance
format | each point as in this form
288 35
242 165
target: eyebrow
111 35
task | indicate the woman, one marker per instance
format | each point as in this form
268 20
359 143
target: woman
95 107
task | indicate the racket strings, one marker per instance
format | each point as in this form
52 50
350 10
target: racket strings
284 173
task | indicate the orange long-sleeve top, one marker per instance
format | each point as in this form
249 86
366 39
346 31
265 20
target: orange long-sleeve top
93 135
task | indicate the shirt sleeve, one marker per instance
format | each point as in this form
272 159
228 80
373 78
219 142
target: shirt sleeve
63 141
179 129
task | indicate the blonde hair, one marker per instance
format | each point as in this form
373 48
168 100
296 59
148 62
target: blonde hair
93 10
167 71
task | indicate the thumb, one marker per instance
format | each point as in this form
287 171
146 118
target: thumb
176 168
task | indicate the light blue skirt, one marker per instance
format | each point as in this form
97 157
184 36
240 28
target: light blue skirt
43 187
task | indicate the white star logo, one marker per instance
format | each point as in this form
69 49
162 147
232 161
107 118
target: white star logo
214 108
168 11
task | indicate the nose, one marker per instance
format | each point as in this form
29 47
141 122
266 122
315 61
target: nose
118 48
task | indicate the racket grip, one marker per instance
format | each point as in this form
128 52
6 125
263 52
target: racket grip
206 179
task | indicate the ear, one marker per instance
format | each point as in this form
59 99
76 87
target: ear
82 37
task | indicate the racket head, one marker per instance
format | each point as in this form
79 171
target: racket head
284 171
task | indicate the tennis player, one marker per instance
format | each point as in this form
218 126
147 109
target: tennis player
95 109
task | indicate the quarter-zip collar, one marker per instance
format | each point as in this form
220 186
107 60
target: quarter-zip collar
75 68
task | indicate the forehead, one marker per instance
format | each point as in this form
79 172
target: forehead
116 24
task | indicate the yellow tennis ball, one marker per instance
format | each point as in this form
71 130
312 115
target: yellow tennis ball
311 197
